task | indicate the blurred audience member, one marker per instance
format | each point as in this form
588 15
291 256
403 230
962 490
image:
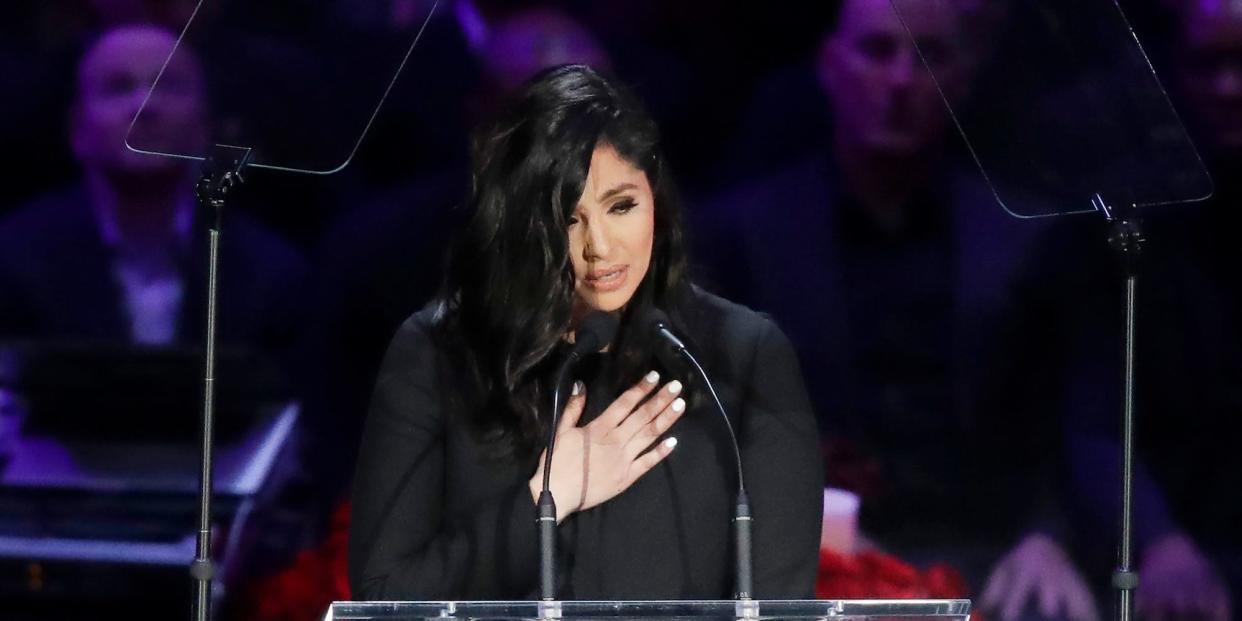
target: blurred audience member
889 266
521 42
118 257
788 116
1189 361
259 60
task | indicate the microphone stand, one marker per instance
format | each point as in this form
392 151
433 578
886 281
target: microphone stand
595 330
547 505
221 174
549 607
1126 239
743 567
741 505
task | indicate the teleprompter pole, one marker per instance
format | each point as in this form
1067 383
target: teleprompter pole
221 175
1126 239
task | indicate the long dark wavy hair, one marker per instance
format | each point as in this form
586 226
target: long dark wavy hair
509 285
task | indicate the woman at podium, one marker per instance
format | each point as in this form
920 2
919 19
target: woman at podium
572 211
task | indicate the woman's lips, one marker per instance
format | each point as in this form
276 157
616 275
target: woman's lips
607 280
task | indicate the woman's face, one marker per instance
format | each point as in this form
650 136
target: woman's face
610 233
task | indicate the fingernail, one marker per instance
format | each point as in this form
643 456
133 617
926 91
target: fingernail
652 377
671 442
679 404
577 389
674 387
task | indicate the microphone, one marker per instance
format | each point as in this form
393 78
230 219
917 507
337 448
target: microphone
669 345
596 330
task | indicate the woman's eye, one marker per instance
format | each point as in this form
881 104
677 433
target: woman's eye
623 206
572 220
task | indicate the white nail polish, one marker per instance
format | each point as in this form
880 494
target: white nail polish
652 377
577 389
679 404
671 442
674 387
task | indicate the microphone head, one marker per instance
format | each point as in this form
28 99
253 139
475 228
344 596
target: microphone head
666 346
661 329
595 331
657 319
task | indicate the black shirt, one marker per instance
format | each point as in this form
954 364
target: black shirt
438 516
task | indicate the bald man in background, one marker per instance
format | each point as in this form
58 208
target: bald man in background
119 257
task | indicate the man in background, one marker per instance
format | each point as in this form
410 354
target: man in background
1188 547
120 256
889 264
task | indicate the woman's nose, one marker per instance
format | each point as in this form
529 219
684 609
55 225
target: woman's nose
597 241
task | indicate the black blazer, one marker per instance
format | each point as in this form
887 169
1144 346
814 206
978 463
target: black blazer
435 517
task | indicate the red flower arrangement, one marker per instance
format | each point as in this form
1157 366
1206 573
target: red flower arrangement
304 590
873 575
317 577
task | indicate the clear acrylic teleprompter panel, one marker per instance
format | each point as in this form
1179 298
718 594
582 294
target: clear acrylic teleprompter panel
809 610
1063 106
297 81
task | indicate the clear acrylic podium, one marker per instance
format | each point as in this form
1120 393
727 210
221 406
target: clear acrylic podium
887 609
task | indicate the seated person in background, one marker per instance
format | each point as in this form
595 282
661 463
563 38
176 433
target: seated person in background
121 257
1187 544
572 212
119 260
890 267
898 275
